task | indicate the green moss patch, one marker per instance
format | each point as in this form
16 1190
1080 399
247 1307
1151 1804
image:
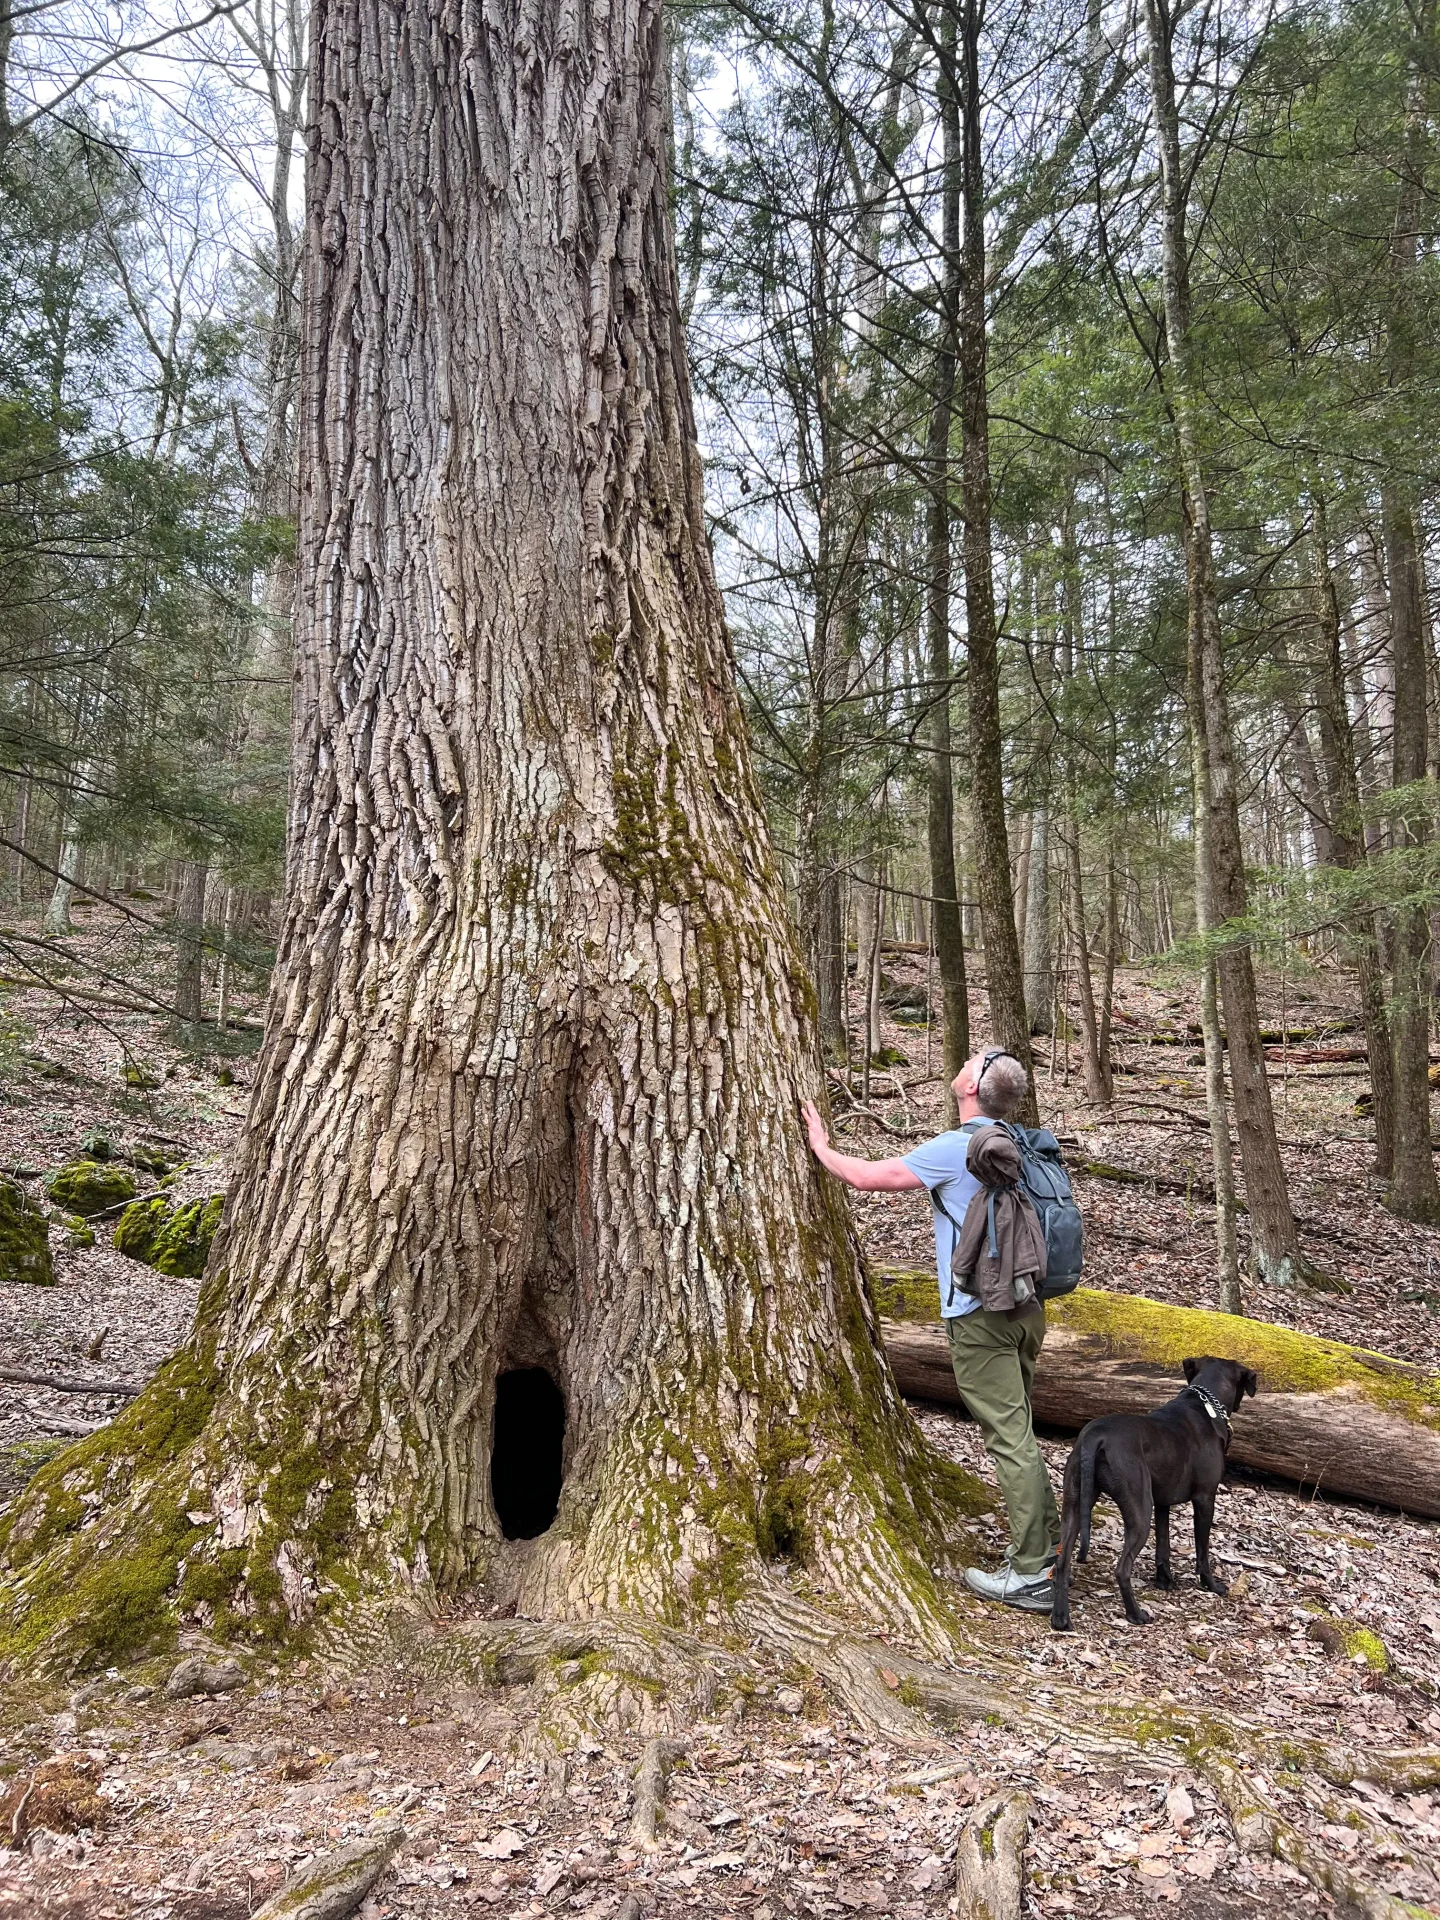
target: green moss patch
1347 1640
24 1239
88 1187
173 1240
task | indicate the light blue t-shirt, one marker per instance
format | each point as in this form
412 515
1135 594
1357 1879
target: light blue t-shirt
940 1163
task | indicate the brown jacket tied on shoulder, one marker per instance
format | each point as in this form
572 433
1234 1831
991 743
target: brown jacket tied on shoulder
1000 1256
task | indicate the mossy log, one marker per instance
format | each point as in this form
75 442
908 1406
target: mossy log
1329 1416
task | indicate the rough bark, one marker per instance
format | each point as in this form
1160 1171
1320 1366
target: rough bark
538 1030
1004 979
1338 1441
1276 1252
949 933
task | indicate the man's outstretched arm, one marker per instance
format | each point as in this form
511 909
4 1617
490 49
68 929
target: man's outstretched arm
867 1176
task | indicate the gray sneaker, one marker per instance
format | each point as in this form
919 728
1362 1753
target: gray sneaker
1032 1591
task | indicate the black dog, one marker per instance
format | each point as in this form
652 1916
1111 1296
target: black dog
1150 1463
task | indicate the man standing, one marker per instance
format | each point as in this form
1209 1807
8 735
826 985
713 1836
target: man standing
993 1354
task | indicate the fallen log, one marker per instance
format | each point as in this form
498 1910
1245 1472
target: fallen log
1328 1416
1316 1056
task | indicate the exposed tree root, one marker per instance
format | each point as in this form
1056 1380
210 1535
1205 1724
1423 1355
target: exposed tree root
621 1673
651 1779
332 1885
1261 1830
989 1868
618 1672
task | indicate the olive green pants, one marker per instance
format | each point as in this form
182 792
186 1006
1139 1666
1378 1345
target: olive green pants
994 1360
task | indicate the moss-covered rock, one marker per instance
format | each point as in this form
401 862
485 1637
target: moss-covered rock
89 1187
24 1239
78 1232
1347 1640
173 1240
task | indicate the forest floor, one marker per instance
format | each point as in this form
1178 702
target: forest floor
789 1810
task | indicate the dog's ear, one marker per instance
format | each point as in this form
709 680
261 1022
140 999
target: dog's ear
1192 1367
1249 1382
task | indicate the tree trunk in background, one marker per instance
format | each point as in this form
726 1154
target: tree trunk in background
1313 794
1099 1083
1222 1158
1413 1191
1276 1250
1039 934
1347 837
190 939
940 774
538 1029
1004 981
57 923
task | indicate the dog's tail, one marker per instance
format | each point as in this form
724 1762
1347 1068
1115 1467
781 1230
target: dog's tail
1079 1498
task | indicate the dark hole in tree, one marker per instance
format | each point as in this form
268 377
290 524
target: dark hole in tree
525 1461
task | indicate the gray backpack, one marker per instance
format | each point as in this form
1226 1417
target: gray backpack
1046 1185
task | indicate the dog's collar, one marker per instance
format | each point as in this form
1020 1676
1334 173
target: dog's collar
1215 1409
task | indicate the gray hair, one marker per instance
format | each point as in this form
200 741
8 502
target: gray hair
1003 1087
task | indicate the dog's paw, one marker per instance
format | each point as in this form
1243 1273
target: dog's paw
1215 1585
1059 1624
1165 1580
1140 1618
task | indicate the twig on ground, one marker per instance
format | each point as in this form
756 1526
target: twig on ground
59 1383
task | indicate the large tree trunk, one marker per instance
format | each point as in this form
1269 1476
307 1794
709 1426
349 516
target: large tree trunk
1004 980
538 1030
1348 1430
949 933
1276 1249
